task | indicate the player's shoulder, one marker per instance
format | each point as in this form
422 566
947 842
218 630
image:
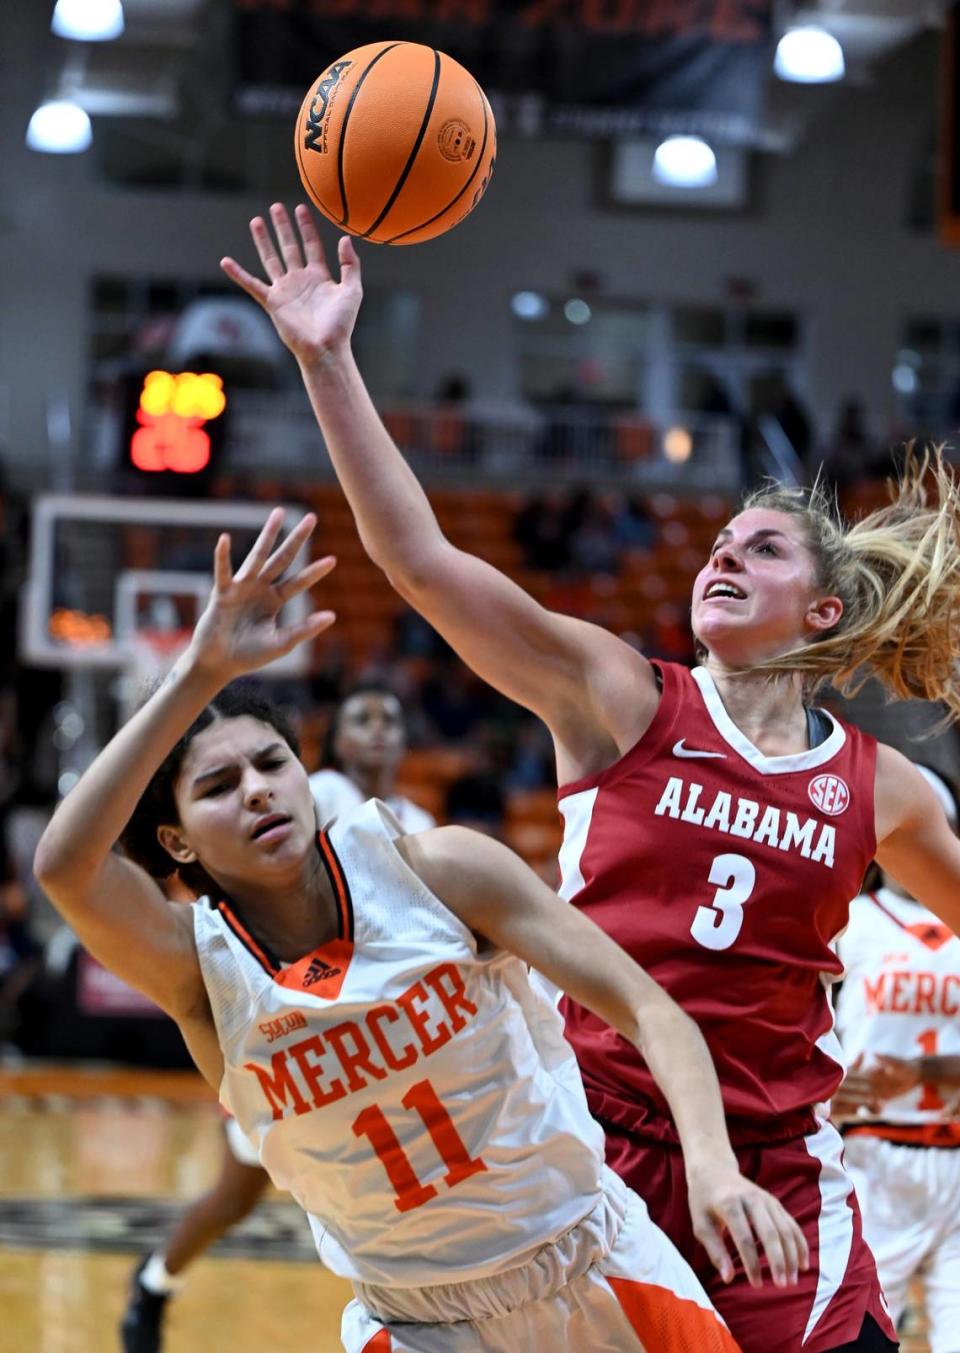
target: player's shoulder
322 778
412 817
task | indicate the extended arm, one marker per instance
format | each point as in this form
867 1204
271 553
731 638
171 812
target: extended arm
915 844
112 904
577 677
497 896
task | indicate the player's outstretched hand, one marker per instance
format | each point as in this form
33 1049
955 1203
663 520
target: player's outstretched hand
239 630
870 1084
723 1203
313 314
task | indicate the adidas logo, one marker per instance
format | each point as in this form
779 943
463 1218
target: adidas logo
319 971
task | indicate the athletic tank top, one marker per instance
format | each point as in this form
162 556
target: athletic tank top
900 996
727 875
408 1087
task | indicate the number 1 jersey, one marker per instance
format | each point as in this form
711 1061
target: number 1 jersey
406 1085
727 875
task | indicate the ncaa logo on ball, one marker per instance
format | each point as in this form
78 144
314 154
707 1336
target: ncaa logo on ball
317 118
454 140
829 793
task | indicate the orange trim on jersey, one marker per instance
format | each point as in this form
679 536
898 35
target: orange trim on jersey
669 1323
340 889
247 940
908 1134
380 1343
319 973
933 934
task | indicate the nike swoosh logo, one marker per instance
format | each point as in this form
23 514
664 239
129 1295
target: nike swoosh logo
689 752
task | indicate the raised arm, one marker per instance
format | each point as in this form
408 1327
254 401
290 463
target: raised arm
572 674
915 844
119 913
497 896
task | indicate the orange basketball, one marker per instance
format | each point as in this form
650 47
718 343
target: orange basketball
395 143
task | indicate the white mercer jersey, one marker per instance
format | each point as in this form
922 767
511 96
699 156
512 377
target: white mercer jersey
900 993
335 795
406 1085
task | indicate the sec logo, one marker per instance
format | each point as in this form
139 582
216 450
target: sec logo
829 793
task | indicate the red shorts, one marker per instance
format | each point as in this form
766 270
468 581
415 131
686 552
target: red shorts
827 1307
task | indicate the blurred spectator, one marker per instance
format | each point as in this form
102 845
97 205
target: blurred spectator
852 454
455 432
632 528
476 798
531 766
20 954
542 530
415 637
593 544
454 699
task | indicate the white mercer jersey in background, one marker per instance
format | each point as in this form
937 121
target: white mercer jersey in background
411 1090
900 993
335 795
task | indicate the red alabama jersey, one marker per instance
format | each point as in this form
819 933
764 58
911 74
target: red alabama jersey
727 875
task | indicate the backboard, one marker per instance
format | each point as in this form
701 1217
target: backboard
107 573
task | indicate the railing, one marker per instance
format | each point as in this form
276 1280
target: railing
275 435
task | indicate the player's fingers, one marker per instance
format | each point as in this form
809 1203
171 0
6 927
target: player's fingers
710 1237
292 635
266 252
286 236
312 244
306 578
284 555
221 563
260 549
349 260
794 1242
735 1219
255 289
774 1244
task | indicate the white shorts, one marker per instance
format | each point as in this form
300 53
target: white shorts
240 1148
910 1201
613 1284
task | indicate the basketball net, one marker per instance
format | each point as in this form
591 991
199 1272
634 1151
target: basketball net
150 655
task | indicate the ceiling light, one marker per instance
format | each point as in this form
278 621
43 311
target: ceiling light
59 128
528 305
684 162
809 56
88 20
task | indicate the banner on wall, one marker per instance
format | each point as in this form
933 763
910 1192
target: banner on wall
568 67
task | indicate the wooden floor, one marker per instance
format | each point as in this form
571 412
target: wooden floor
94 1167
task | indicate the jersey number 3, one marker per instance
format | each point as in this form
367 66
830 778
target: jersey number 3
717 926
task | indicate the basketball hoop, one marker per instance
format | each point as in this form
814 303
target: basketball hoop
151 653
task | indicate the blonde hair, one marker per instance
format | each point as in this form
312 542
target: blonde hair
897 572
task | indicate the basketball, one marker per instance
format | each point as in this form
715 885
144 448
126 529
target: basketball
395 143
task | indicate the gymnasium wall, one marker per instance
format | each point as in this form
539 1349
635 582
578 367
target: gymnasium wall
824 234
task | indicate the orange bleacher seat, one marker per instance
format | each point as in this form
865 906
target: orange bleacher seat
533 840
533 805
633 438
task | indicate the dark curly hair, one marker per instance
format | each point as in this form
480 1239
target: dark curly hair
158 804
